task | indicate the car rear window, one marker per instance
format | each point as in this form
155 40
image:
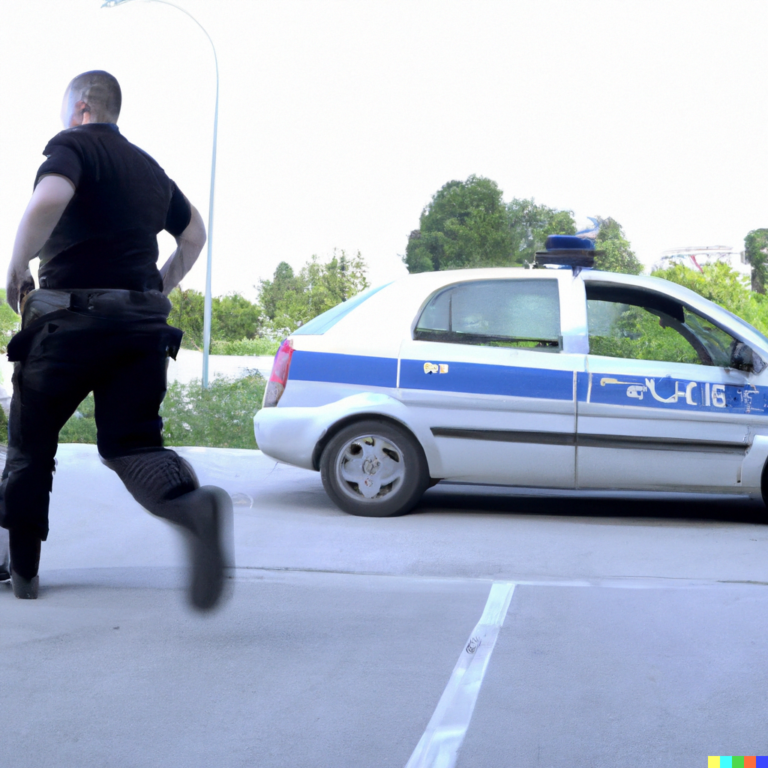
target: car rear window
495 313
322 323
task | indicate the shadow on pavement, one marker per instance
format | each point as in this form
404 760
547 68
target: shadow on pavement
706 509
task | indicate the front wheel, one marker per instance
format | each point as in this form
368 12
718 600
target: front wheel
374 468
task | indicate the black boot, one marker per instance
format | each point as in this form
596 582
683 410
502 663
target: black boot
166 485
5 557
5 569
205 514
25 561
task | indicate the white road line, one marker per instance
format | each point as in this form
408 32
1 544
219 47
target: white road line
440 744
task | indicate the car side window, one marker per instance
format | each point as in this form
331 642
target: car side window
494 313
641 325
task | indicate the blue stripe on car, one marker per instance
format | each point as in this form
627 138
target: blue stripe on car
344 369
543 383
482 379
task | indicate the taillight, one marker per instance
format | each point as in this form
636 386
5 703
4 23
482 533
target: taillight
279 376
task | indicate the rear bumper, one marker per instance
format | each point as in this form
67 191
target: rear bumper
291 434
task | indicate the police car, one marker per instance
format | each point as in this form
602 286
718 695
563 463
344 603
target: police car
562 377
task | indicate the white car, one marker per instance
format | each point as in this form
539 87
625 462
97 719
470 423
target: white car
549 378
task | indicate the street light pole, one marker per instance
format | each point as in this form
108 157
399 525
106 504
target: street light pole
207 303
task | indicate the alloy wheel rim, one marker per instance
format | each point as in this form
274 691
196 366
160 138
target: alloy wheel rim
370 468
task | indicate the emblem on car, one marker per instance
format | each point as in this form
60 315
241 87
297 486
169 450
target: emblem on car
435 368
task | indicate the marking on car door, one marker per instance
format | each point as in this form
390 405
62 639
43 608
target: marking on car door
685 394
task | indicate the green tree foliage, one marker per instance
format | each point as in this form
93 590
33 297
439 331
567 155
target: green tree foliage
187 314
290 300
233 317
465 225
530 225
9 322
756 246
618 255
721 284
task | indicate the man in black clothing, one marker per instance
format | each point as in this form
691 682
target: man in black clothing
98 323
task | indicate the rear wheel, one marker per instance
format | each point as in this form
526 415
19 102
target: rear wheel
762 514
374 468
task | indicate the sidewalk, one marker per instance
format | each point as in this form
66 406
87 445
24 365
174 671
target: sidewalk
188 365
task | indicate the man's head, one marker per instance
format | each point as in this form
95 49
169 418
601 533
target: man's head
93 97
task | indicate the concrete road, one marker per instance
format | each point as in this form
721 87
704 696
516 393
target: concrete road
504 631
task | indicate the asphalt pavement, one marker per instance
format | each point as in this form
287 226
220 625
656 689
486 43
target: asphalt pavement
634 631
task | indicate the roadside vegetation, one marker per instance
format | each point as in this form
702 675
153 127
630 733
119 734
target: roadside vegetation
218 417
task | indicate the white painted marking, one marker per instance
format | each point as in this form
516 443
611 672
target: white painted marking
440 744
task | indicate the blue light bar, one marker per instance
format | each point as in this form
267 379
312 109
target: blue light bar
569 242
568 251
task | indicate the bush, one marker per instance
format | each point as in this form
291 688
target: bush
218 417
245 347
81 427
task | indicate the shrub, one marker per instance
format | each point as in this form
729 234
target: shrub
218 417
245 347
81 427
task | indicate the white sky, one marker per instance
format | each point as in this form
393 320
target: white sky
339 119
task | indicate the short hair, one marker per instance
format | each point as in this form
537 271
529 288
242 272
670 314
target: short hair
100 91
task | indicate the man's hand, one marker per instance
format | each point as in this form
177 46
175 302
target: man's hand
17 288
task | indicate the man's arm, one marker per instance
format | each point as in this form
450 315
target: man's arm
189 244
51 196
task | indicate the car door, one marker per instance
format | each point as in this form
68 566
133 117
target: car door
658 406
487 372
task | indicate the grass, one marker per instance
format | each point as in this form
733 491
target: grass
260 347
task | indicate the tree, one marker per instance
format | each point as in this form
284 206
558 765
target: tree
465 225
280 291
756 246
530 225
723 285
187 314
290 300
233 317
618 256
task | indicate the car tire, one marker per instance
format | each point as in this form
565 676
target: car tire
374 468
762 515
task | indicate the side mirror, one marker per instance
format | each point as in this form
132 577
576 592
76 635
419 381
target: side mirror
742 358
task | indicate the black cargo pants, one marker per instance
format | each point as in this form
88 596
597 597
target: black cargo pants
118 353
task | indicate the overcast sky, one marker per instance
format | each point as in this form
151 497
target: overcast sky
339 119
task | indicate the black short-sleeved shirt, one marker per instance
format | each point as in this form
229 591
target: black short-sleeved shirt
107 236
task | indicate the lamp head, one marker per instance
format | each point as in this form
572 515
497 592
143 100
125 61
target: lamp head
113 3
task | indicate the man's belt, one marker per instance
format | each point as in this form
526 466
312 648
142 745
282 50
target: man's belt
110 310
105 303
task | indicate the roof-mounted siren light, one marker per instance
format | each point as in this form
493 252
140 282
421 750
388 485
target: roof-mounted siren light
576 252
